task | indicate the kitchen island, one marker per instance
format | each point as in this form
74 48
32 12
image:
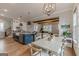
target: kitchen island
24 37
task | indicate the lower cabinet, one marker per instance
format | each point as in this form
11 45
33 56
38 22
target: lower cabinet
24 38
27 38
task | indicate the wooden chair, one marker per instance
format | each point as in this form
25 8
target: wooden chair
35 51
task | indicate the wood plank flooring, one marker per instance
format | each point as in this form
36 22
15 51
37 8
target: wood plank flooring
13 48
69 52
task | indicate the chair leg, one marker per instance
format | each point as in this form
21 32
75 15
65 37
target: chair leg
40 53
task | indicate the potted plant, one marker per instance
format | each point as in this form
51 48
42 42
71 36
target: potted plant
66 34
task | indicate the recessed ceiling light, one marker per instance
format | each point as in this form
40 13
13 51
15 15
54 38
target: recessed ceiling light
5 10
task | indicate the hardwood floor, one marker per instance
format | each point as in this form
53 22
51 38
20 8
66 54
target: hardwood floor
13 48
69 52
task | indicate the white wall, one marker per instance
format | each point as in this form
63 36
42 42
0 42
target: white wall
16 24
29 27
65 18
7 23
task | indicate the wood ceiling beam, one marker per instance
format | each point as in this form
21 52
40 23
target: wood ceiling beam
47 20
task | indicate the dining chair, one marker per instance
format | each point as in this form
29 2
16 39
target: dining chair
35 51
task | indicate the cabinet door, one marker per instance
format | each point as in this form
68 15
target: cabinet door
28 38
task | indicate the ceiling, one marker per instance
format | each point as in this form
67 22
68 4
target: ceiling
16 10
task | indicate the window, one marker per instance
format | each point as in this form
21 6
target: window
1 26
47 28
75 27
35 27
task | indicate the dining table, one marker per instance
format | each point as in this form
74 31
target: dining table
54 45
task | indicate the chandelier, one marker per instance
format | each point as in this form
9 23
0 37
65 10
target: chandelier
49 8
